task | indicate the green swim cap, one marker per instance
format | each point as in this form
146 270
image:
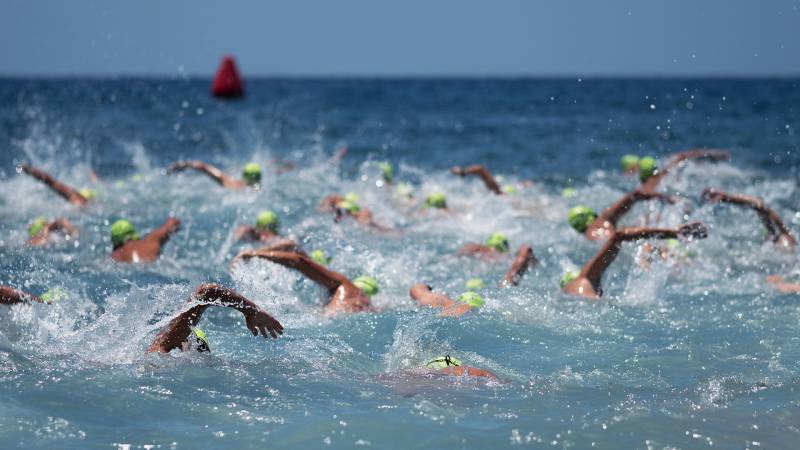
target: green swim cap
387 171
122 231
568 277
200 337
404 190
436 200
36 227
87 193
471 298
251 173
580 217
320 257
367 284
351 197
569 192
53 295
267 220
441 362
509 189
647 168
349 206
629 162
498 241
474 284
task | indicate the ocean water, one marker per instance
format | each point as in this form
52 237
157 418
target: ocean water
691 352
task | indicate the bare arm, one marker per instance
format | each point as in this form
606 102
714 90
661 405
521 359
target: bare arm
771 220
10 296
163 233
63 225
214 173
305 265
700 155
178 330
613 213
482 172
68 193
524 259
423 295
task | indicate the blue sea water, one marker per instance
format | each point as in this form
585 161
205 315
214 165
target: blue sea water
692 352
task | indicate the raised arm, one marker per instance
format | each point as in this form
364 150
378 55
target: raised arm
68 193
776 229
178 330
163 233
214 173
613 213
10 296
524 259
305 265
482 172
699 155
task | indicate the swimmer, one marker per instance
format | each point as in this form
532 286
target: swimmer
251 175
344 296
348 206
777 232
586 283
40 231
630 164
585 220
128 247
466 302
77 197
265 229
176 335
11 296
449 365
651 175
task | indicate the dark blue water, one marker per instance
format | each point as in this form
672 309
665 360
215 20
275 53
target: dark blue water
690 353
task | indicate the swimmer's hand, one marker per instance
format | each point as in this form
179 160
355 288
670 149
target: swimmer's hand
694 230
182 165
259 321
712 195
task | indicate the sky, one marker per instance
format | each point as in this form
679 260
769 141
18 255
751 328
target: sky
401 38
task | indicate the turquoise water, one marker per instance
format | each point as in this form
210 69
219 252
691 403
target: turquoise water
690 353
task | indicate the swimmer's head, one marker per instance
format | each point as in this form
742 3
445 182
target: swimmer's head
436 200
569 277
474 284
580 217
36 227
647 168
252 173
201 339
498 241
320 257
404 190
267 220
569 192
387 171
472 299
87 193
347 205
509 189
442 362
367 284
630 163
122 231
53 295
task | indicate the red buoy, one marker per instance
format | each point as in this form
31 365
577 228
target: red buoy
227 83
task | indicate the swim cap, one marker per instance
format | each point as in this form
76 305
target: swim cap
387 171
367 284
498 241
441 362
629 162
53 295
122 231
436 200
349 206
471 298
509 189
569 192
647 168
320 257
351 197
87 193
580 217
200 337
568 277
474 284
404 190
36 227
267 220
251 173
